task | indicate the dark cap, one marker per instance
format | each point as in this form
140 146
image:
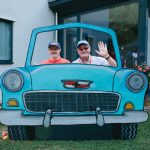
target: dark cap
82 42
54 44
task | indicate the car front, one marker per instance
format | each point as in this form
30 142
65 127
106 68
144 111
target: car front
73 94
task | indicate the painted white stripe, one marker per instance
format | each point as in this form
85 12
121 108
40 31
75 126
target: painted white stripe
70 86
81 82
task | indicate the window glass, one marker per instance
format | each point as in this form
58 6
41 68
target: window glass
70 19
70 43
70 38
5 41
123 19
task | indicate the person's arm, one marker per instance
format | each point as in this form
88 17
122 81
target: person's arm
103 52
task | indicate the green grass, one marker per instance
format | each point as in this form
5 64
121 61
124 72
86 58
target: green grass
141 142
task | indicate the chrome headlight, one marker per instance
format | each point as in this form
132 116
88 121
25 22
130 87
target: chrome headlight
136 82
13 80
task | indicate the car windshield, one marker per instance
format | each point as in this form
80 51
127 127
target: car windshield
71 48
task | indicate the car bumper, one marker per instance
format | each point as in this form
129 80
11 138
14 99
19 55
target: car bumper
8 118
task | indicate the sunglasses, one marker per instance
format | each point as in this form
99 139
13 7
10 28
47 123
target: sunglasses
83 48
53 48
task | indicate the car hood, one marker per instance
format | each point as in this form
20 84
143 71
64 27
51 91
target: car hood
50 77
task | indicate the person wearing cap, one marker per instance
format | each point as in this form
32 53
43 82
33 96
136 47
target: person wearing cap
84 49
54 51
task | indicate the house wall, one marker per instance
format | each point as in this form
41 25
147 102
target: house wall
26 15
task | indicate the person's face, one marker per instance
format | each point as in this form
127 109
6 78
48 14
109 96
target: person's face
84 50
54 52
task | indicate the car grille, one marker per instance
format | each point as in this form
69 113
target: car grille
70 101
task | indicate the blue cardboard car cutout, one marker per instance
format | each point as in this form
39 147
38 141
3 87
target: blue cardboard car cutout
36 95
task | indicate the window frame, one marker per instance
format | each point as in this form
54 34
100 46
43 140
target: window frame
10 61
142 24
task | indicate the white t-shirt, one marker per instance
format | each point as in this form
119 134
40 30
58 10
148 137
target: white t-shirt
94 60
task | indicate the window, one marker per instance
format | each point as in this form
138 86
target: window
127 19
124 23
5 41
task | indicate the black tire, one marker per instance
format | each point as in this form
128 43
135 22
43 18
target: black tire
125 131
21 132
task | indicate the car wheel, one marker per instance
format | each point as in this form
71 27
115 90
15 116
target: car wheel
21 132
125 131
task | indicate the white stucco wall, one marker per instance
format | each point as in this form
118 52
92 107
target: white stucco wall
148 43
26 14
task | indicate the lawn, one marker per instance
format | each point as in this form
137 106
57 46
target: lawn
141 142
